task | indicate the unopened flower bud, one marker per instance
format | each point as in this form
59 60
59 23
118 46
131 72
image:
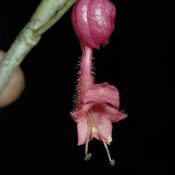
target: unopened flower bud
93 21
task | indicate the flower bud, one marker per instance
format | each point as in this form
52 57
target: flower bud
93 21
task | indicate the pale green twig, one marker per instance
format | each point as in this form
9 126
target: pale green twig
47 13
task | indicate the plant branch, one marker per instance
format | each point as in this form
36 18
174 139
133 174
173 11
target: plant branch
46 15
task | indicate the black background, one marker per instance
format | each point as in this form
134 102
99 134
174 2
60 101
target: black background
138 60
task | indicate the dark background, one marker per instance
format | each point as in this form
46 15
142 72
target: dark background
138 61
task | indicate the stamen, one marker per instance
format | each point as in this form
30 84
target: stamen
87 155
86 146
111 161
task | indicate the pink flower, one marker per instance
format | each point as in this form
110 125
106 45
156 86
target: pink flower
97 105
100 107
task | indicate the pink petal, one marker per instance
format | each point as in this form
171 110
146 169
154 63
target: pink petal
79 114
82 132
114 115
102 93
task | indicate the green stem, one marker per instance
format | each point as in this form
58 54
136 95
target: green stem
45 16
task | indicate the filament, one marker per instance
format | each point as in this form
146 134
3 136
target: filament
111 161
